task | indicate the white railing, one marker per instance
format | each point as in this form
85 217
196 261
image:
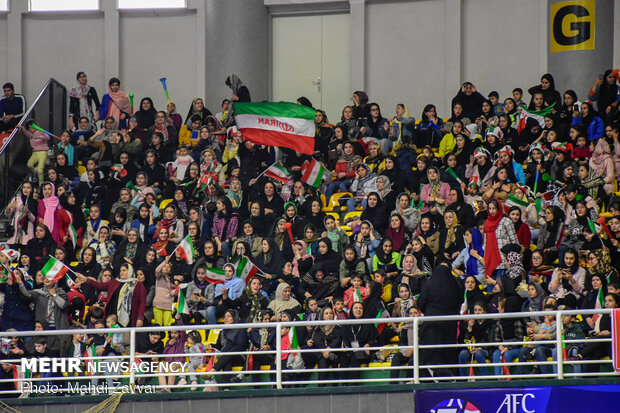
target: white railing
415 372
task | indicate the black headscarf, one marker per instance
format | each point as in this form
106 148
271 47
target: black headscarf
519 222
373 304
146 119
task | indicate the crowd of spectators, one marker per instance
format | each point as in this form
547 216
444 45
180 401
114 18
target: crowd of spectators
502 206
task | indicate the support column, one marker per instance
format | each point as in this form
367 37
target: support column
453 52
581 36
357 45
14 66
112 44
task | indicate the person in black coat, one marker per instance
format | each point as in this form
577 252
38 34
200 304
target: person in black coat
250 303
358 336
264 338
470 99
130 250
441 295
325 337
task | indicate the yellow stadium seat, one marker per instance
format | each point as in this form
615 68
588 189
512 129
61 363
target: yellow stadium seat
81 170
335 200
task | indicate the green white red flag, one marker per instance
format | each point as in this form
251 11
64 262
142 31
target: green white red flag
277 124
54 270
186 250
279 172
245 269
312 173
538 115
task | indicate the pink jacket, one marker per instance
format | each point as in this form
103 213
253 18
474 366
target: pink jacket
38 140
444 192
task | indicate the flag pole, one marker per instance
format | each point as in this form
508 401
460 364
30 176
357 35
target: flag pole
261 174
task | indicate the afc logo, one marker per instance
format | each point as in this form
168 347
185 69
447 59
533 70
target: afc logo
572 25
516 403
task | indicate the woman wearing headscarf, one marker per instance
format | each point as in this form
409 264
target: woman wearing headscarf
522 229
225 225
385 191
351 265
410 215
373 213
131 250
550 234
464 211
280 236
197 108
40 247
23 211
127 296
547 88
358 336
395 174
498 232
590 120
320 284
441 295
268 261
435 195
171 222
229 340
451 236
115 103
397 233
386 259
481 166
344 172
602 164
535 301
411 275
323 338
429 234
599 263
146 115
568 279
284 300
240 92
328 259
48 210
472 256
81 99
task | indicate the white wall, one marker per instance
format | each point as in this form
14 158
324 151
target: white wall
59 46
156 46
404 54
3 49
503 51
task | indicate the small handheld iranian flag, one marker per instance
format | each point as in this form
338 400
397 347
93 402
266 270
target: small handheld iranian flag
73 235
312 173
93 363
380 326
70 282
279 172
182 307
600 303
186 250
54 270
277 124
516 201
292 336
215 276
245 269
20 372
357 297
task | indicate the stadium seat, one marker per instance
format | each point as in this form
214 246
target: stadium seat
81 170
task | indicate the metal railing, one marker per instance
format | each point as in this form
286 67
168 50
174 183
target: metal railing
132 380
50 111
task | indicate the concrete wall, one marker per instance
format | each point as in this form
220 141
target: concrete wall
194 48
409 51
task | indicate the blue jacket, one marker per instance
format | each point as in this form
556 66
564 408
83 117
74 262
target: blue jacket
519 173
16 310
595 128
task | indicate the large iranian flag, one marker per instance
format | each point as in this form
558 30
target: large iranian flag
312 173
54 270
277 124
538 115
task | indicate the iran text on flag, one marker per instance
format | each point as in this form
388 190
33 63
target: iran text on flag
54 270
245 269
279 172
312 173
277 124
186 250
215 276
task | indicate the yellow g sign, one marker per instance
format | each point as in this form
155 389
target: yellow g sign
572 25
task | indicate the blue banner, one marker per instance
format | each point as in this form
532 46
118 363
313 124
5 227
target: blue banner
589 398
